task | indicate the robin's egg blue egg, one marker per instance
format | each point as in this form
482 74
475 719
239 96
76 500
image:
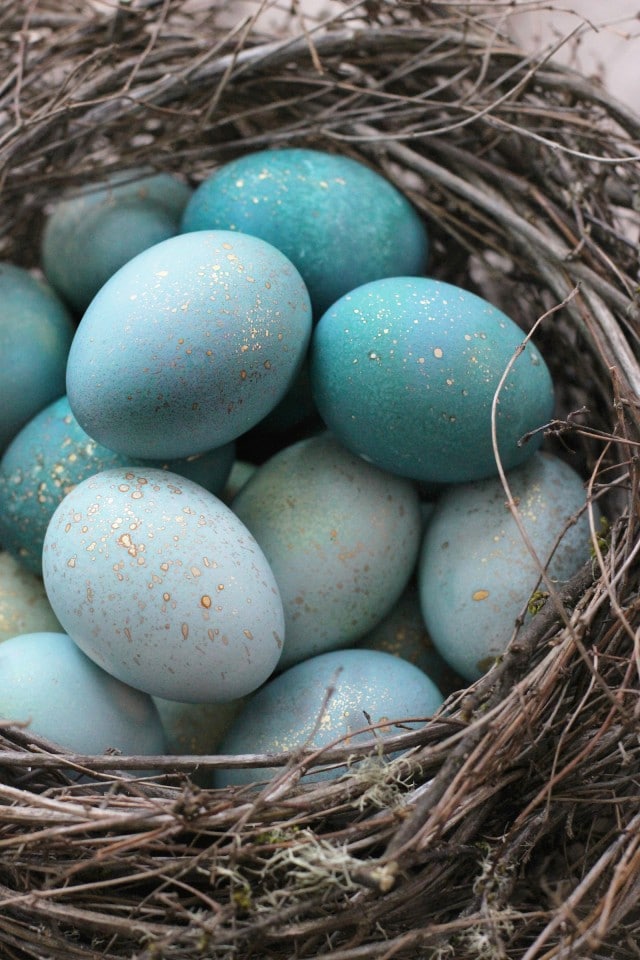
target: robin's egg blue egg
92 232
188 345
476 574
404 371
161 585
332 697
24 605
340 222
51 455
342 538
49 685
36 331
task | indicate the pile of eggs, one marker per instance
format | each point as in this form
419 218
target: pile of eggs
159 593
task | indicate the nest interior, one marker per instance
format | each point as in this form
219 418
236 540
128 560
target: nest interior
508 827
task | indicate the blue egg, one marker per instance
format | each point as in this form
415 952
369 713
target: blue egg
91 233
404 372
24 605
51 455
51 686
341 223
341 537
476 575
332 696
36 331
188 345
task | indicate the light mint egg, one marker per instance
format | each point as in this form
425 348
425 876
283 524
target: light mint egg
476 575
404 371
24 605
162 586
188 345
334 695
339 221
341 536
48 684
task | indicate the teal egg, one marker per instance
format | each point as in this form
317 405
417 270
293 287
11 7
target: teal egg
404 372
341 536
331 696
91 233
188 345
51 686
36 331
50 456
341 223
24 605
476 575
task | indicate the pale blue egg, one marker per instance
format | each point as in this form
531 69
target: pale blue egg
339 221
162 586
188 345
476 575
57 692
51 455
24 605
404 372
36 331
342 538
334 695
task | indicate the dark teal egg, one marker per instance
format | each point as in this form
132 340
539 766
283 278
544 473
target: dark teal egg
92 233
50 456
341 223
476 575
332 696
188 345
36 331
404 372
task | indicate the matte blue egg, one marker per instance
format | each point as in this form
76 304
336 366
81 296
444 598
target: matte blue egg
331 696
51 455
341 223
404 371
341 536
188 345
48 684
476 575
161 585
94 231
36 331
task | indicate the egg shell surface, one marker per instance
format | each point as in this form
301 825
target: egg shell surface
292 710
341 537
36 331
162 586
404 371
188 345
341 223
475 572
49 684
93 231
24 605
50 455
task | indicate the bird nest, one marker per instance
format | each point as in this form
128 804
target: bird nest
508 826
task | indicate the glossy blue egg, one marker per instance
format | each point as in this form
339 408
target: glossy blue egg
188 345
404 372
339 221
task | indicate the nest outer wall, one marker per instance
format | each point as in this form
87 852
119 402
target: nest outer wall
508 828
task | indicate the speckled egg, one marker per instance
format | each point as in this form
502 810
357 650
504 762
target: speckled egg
51 455
476 575
331 696
50 685
24 605
36 331
161 585
94 231
341 223
341 536
404 372
188 345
